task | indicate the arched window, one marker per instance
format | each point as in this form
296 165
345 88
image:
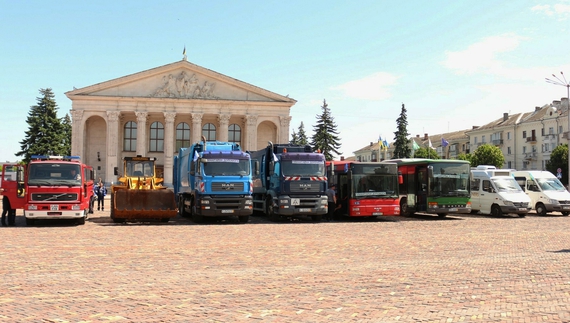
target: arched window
130 136
156 137
234 133
182 135
209 131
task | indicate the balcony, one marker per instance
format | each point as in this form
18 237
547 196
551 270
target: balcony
530 156
531 139
497 142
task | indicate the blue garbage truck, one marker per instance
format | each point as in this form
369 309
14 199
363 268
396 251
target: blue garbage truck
289 181
212 179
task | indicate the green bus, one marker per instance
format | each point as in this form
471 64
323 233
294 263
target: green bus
434 186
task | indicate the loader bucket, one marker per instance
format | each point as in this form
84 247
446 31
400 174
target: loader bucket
144 204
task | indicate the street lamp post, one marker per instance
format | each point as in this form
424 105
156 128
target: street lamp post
561 80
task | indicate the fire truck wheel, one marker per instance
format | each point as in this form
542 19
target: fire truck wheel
81 221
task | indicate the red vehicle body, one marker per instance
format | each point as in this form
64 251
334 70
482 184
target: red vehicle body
365 189
46 189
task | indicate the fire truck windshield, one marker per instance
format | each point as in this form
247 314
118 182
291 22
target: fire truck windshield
303 168
54 174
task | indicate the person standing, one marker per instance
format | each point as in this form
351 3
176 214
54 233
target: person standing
331 195
100 192
7 213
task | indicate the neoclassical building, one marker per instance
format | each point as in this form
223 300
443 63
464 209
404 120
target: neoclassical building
156 112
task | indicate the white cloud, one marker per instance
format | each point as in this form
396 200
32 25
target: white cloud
481 56
560 10
373 87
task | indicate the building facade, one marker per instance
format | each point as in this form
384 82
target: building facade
156 112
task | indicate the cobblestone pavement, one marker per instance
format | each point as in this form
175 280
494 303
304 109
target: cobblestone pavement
465 268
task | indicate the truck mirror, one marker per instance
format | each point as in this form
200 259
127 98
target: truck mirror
116 171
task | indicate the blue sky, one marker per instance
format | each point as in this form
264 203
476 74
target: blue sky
454 64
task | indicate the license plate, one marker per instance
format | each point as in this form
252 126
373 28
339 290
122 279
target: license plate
295 202
566 207
54 207
227 211
305 210
377 213
453 209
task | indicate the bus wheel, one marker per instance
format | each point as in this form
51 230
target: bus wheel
540 209
496 211
442 215
404 211
565 213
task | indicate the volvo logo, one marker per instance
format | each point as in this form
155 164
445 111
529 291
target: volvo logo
304 186
227 186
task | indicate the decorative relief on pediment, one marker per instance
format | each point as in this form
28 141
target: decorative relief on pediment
185 87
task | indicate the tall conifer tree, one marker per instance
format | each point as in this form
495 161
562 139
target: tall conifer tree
401 142
325 135
45 135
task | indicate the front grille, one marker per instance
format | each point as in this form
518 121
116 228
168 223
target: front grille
521 204
305 187
228 187
51 197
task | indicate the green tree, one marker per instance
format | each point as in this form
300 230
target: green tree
487 155
66 129
302 135
45 134
464 156
325 135
294 138
401 142
559 159
426 152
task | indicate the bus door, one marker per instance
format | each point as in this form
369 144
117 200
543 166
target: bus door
421 189
344 192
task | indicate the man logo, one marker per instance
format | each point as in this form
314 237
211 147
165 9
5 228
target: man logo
305 186
228 187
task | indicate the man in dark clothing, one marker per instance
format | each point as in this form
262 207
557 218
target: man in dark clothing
7 211
100 192
331 194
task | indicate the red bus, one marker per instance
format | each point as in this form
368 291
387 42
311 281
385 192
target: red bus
365 189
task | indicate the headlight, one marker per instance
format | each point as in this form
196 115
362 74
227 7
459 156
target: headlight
508 203
553 201
75 207
248 202
325 201
32 207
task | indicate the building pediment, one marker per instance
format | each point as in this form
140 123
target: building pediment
180 80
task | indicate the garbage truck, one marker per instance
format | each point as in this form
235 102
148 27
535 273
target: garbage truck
139 194
289 181
212 179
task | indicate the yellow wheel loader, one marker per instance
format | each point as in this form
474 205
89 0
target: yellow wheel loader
139 194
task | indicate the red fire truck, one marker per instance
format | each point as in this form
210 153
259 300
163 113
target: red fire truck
365 189
49 187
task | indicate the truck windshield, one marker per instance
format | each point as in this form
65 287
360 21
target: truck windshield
449 179
140 168
54 174
507 185
375 186
550 184
226 167
303 168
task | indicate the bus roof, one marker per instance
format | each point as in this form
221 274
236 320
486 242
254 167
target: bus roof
417 161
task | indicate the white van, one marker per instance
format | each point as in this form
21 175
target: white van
545 191
495 191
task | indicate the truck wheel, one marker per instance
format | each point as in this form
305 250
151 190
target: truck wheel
29 222
181 209
565 213
81 221
197 218
540 209
243 218
317 218
496 211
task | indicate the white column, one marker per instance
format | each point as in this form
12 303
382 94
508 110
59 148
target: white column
283 137
169 139
142 142
77 136
196 127
113 145
224 120
250 139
